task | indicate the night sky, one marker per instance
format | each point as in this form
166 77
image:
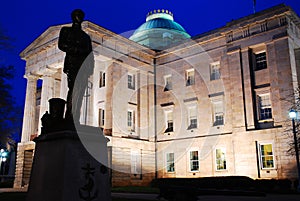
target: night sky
24 21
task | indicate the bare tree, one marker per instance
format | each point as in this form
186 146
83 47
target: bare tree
9 112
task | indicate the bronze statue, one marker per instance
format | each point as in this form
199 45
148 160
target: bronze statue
79 60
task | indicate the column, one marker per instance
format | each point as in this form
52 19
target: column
64 85
47 93
108 99
30 107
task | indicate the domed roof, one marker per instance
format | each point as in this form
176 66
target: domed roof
160 23
159 31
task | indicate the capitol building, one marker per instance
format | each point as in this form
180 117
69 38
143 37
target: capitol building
179 106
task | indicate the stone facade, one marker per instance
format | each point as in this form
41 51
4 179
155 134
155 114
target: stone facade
214 105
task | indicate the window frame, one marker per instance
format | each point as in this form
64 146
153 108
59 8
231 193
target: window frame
261 156
223 150
131 82
168 85
190 160
102 79
190 124
217 122
213 74
264 62
188 81
168 162
135 162
131 120
101 117
260 107
169 129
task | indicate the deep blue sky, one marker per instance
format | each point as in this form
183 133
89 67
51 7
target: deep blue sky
26 20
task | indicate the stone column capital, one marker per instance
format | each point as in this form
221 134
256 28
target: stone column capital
48 71
31 76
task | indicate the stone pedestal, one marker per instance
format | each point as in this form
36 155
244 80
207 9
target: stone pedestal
64 170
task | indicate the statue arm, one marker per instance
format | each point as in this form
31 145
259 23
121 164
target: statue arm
62 40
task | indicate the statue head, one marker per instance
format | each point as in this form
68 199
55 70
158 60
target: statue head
77 16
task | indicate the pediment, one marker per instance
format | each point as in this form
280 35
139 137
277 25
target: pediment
98 34
46 39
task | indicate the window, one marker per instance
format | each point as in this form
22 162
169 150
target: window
169 121
192 117
168 83
136 163
130 120
267 156
218 113
260 60
264 107
102 79
194 161
220 159
215 71
170 162
131 81
101 117
190 77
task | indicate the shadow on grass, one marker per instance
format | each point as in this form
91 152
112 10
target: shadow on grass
22 197
135 189
12 196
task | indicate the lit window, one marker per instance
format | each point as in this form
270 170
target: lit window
170 162
260 60
131 81
267 156
218 113
168 83
102 79
194 161
101 117
130 120
136 164
190 77
221 159
169 121
215 71
192 117
264 107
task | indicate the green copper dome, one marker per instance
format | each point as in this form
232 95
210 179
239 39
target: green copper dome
163 24
159 31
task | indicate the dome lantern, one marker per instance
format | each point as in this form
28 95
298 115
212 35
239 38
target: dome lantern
159 31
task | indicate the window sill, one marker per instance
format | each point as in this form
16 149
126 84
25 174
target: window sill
192 129
268 169
169 133
170 172
193 172
218 126
266 121
133 136
225 170
214 80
